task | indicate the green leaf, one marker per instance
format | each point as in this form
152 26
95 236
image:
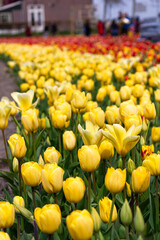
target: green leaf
8 176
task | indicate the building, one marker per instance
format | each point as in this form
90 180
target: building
144 9
15 16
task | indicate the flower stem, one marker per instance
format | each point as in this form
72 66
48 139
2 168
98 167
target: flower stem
89 192
18 227
104 166
5 146
75 206
157 208
20 176
33 196
137 199
127 233
34 147
35 231
59 139
55 198
50 237
124 190
94 183
111 212
70 156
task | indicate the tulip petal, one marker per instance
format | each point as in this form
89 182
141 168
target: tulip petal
129 143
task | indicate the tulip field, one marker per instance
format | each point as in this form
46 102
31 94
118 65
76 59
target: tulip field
84 162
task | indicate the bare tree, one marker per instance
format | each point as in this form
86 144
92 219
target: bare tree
107 2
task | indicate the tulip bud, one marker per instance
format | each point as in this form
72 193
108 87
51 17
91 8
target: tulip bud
41 161
48 141
96 219
17 146
69 140
139 221
15 165
18 200
142 141
126 214
120 163
140 238
131 166
24 211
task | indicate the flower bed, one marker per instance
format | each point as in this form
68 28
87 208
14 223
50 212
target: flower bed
84 162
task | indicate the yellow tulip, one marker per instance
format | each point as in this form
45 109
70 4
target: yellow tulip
51 155
152 163
101 94
48 218
132 119
109 89
79 100
92 135
140 179
115 180
74 189
31 173
127 108
4 115
4 236
13 108
24 87
115 97
18 200
24 100
146 150
157 95
17 146
119 74
96 116
65 108
96 219
138 90
58 119
155 134
89 158
52 94
125 93
7 214
89 85
112 114
69 140
122 140
106 149
105 209
80 225
52 178
149 111
30 120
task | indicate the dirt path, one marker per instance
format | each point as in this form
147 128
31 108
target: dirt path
7 86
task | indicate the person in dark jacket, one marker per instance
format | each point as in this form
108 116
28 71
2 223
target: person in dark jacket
87 28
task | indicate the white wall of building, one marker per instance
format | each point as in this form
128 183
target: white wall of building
145 8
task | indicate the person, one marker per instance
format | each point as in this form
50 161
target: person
87 28
126 24
100 27
46 31
54 29
137 25
114 28
28 31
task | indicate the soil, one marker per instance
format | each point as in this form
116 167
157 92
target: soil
7 86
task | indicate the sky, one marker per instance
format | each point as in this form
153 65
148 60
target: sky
144 8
